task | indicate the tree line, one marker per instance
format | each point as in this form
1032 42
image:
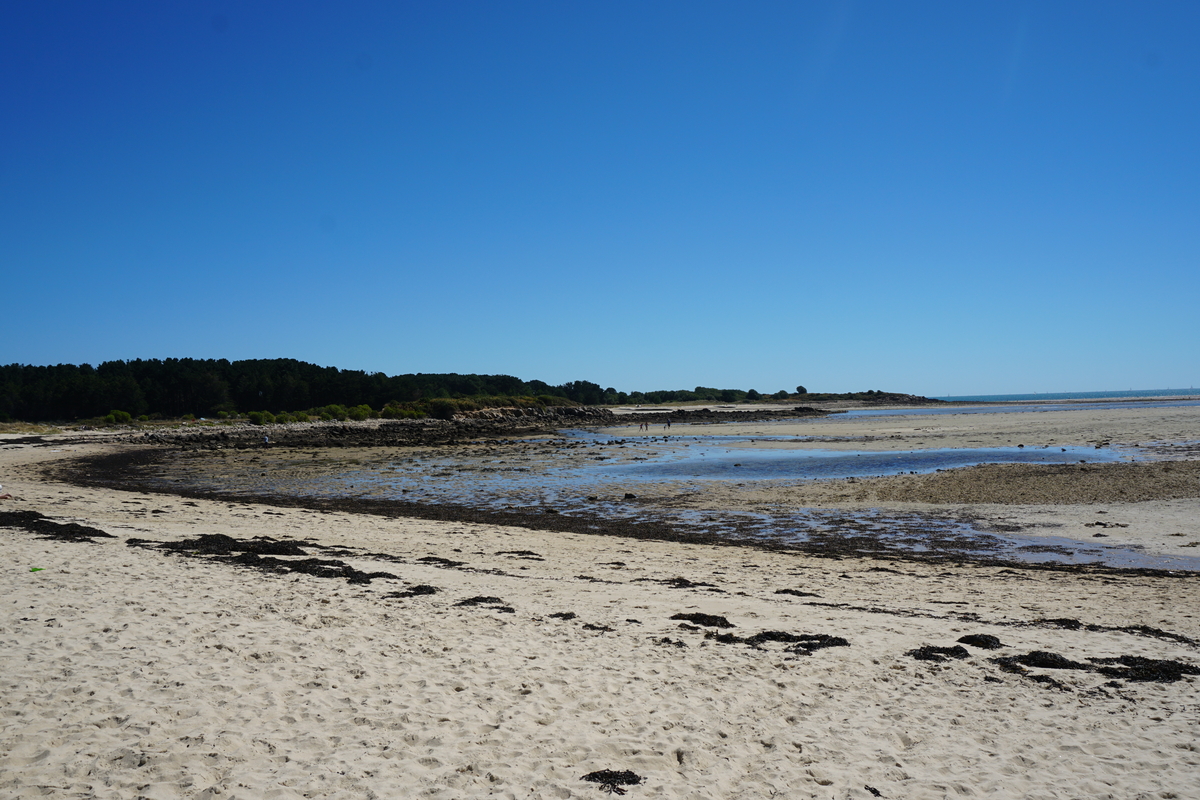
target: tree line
177 387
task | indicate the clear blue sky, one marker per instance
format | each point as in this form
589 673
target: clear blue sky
941 198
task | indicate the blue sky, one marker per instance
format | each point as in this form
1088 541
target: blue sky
940 198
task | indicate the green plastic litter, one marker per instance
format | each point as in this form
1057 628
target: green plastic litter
36 569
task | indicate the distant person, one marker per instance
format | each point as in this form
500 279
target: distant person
266 441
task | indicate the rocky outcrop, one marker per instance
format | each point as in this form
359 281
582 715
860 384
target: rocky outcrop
379 433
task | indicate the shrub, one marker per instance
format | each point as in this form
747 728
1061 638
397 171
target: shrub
361 412
121 417
442 408
261 418
144 418
334 412
399 411
552 401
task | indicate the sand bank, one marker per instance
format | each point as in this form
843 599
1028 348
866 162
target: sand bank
1153 505
133 671
1078 425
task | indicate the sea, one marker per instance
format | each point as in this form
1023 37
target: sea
1013 398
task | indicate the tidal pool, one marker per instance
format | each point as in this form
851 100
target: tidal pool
715 461
597 478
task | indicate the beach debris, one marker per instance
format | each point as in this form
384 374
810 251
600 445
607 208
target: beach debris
37 523
984 641
563 615
37 569
872 789
667 641
938 654
711 620
587 626
611 781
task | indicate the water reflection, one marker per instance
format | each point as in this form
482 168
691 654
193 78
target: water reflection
592 477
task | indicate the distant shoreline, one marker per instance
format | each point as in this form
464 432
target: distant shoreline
1041 397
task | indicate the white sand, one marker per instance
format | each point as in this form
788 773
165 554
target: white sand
129 673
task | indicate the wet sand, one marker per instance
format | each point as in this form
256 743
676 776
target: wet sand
510 662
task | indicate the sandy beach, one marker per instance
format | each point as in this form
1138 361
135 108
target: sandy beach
398 657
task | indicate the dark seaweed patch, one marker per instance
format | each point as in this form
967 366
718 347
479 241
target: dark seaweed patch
711 620
1137 668
810 642
1130 668
414 591
527 554
494 603
804 643
1063 622
612 781
1044 660
796 593
938 654
316 567
984 641
681 583
259 553
481 600
439 561
211 544
37 523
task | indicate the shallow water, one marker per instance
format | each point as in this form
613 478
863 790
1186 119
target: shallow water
1020 408
715 460
588 475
